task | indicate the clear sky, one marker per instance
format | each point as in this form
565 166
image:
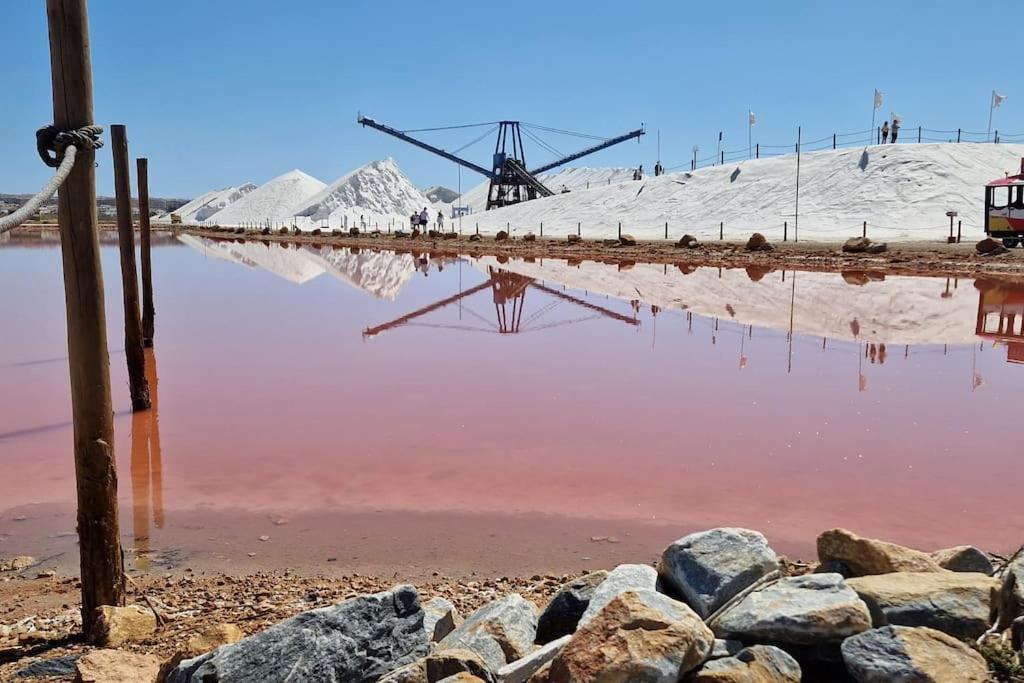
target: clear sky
219 92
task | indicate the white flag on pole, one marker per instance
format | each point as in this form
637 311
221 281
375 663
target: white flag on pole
879 97
997 99
751 118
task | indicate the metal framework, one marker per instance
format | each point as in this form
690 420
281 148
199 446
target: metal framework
511 181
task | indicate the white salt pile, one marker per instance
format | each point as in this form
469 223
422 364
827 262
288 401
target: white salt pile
276 200
204 206
378 194
902 191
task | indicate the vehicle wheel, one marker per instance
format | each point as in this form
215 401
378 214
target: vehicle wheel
1010 242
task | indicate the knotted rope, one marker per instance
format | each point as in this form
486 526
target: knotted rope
57 148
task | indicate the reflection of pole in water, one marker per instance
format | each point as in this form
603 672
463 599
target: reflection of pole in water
146 468
792 307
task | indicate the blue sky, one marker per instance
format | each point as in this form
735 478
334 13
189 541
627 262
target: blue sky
218 92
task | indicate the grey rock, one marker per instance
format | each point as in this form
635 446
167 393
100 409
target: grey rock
911 655
625 577
563 613
951 602
725 648
1009 600
499 632
800 610
856 245
357 640
439 618
520 670
877 248
756 664
50 668
710 567
964 558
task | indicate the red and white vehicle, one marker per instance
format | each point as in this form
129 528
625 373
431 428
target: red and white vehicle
1004 209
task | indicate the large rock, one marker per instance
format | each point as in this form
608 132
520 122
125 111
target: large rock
864 556
799 610
625 577
987 245
439 618
758 242
710 567
627 240
447 663
951 602
899 653
856 245
638 636
520 670
563 612
964 558
115 666
499 632
358 640
1008 604
119 625
757 664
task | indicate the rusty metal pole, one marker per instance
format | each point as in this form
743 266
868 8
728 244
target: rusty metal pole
102 564
133 348
145 252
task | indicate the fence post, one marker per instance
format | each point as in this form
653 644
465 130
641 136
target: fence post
723 158
878 135
833 140
785 230
996 138
133 345
721 230
620 229
579 230
959 224
666 229
919 134
958 135
99 538
542 228
757 153
864 230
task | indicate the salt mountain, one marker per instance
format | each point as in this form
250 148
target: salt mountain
277 199
204 206
378 190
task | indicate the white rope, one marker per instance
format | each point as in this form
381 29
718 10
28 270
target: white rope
13 220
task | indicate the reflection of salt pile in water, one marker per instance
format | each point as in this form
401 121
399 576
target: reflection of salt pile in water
900 310
275 200
377 193
288 263
382 274
204 206
902 191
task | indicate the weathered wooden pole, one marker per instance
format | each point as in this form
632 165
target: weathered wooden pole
133 349
148 311
102 564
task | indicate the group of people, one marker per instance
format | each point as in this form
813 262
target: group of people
889 135
422 219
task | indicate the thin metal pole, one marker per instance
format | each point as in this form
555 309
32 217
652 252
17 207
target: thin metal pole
796 215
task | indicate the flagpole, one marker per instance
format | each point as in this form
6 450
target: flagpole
750 127
991 109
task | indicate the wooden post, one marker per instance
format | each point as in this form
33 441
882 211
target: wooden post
785 230
833 140
620 229
919 134
959 225
958 135
757 151
721 230
666 229
99 537
148 311
133 349
864 229
579 229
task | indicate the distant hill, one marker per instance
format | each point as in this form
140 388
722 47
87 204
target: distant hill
438 194
9 202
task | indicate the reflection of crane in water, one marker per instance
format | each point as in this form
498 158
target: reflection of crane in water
508 293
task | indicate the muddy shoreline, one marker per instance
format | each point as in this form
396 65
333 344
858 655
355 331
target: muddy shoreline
914 258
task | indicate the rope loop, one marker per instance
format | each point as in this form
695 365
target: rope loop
51 142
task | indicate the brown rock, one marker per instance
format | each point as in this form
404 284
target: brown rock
501 236
115 666
573 239
451 235
955 603
119 625
638 636
627 240
964 558
757 664
987 245
898 653
856 245
865 556
529 237
447 663
462 678
688 241
758 242
212 637
17 563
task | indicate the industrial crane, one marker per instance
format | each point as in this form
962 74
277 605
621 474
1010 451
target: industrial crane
511 181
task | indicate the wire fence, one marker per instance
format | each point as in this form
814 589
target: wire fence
906 135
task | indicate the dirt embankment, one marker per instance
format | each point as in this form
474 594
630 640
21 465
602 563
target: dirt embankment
914 258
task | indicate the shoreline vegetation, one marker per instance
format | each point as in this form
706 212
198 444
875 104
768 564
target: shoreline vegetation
717 606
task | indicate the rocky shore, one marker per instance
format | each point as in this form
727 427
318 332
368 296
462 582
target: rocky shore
720 606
